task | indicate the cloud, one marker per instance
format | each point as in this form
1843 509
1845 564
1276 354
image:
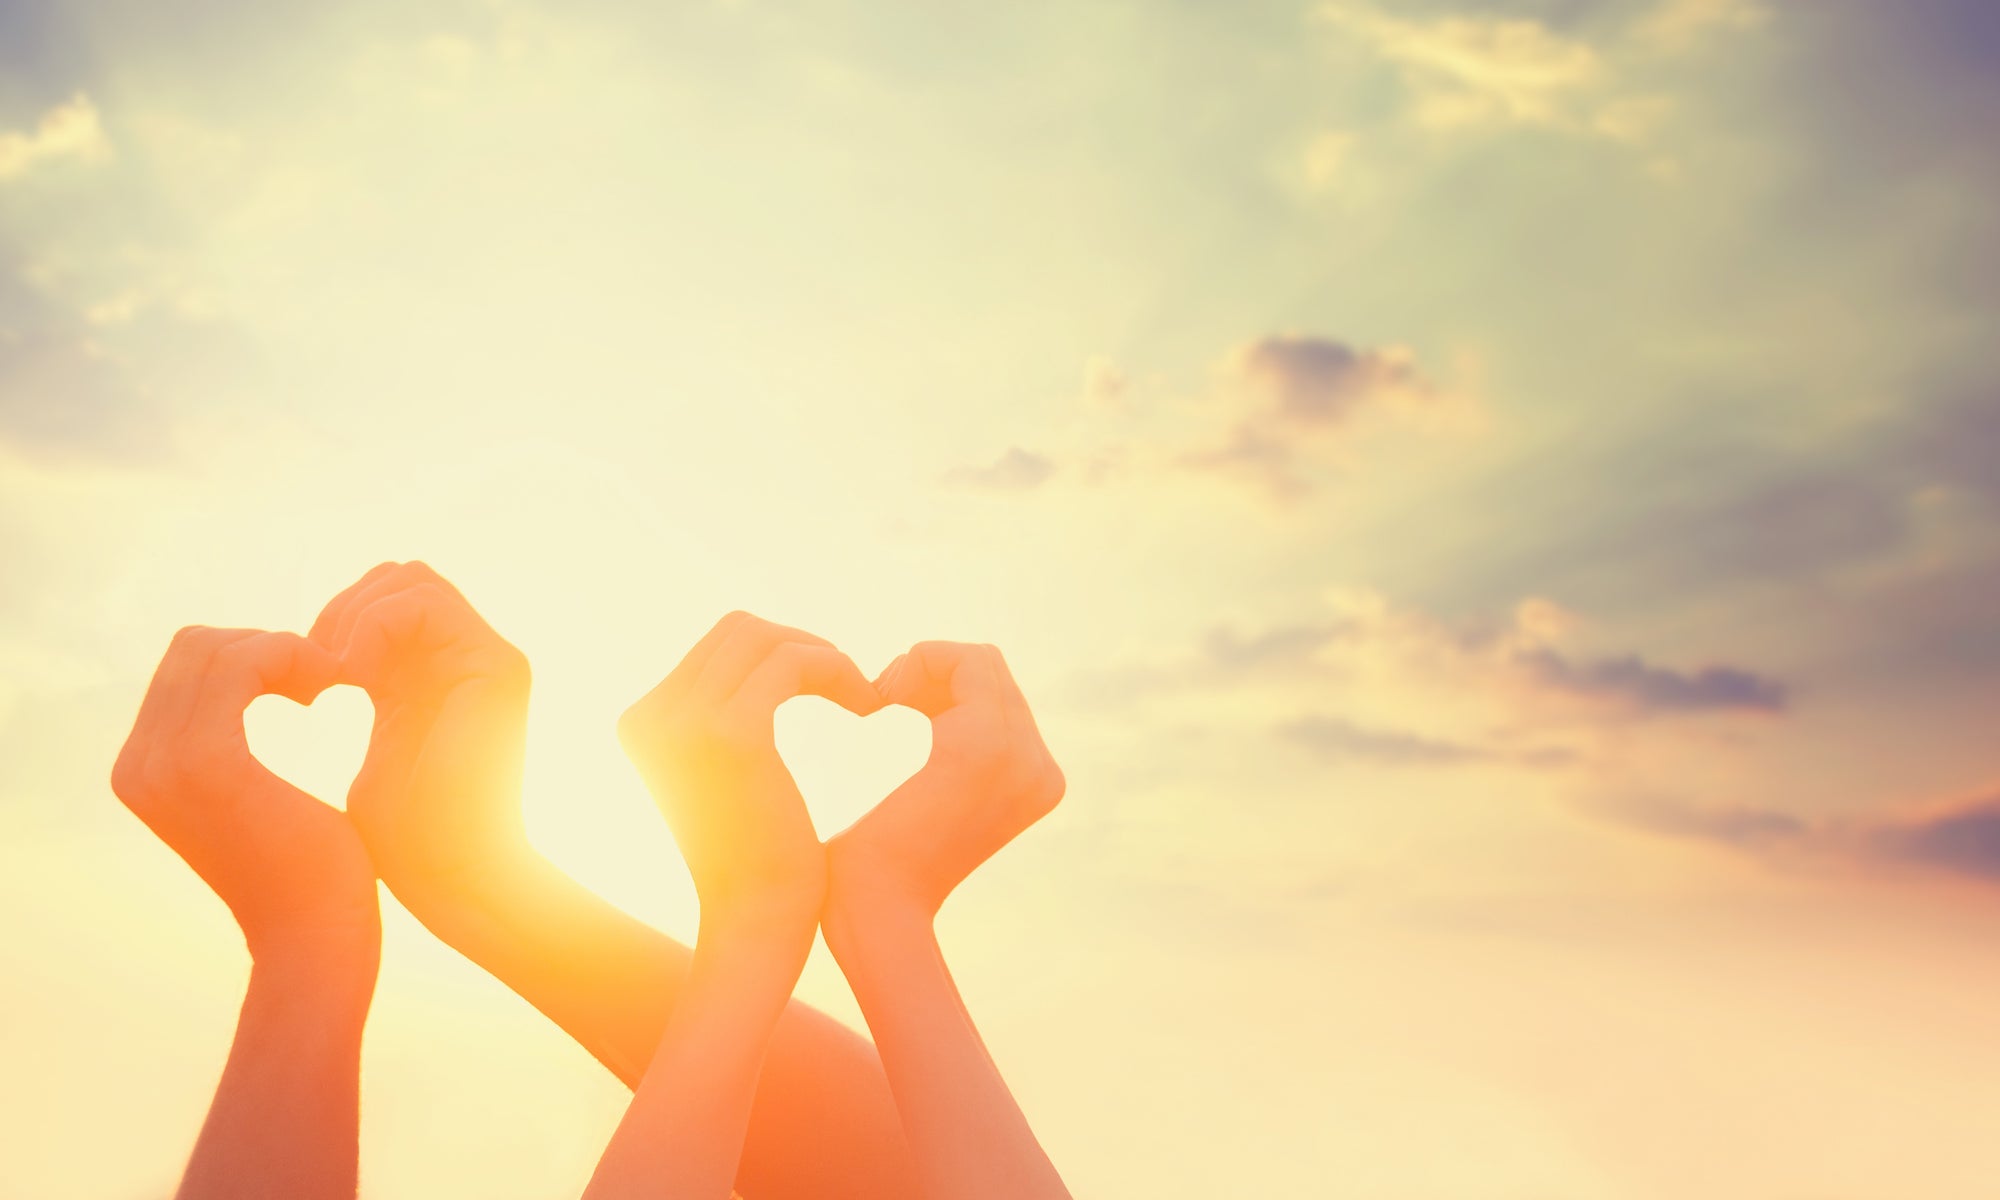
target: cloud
1297 395
1678 24
69 131
1963 838
1105 385
1960 837
1632 680
1277 412
1746 827
1338 739
1017 470
1478 70
1520 657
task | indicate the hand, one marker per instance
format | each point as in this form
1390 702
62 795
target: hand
290 868
988 778
436 799
705 743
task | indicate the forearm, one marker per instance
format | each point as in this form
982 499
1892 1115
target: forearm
966 1135
823 1125
286 1117
684 1133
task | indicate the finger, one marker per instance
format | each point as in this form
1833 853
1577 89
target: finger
169 699
390 629
329 616
1009 694
738 654
682 677
388 583
886 680
800 669
935 676
263 664
184 671
399 577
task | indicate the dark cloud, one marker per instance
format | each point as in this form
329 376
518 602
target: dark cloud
1740 825
1017 470
1633 680
1964 839
1337 739
1959 839
1296 395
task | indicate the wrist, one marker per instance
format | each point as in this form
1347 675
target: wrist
776 919
862 915
335 962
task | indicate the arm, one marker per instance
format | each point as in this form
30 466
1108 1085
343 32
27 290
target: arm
286 1116
285 1120
438 802
988 778
705 743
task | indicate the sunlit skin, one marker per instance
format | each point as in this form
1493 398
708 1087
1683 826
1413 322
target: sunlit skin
438 802
300 878
285 1119
989 776
705 742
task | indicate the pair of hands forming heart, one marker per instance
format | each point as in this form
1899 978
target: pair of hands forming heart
434 813
451 700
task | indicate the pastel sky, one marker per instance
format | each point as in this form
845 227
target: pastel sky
1497 506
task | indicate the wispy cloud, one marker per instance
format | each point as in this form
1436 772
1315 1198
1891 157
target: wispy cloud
1295 396
1478 70
1278 415
1338 739
70 131
1017 470
1679 24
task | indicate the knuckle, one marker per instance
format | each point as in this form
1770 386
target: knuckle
128 776
511 664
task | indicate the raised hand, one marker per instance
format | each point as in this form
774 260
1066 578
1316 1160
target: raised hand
703 740
439 801
988 778
288 866
437 797
285 1119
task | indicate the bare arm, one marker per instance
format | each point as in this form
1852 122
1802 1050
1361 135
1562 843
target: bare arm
286 1116
988 778
705 743
285 1119
438 801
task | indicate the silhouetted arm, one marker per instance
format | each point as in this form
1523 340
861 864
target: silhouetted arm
988 778
285 1119
705 743
286 1116
438 801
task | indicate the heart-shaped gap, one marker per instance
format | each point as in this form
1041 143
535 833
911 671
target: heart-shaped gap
317 749
843 764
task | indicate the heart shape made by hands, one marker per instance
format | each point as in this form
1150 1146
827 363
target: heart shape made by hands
316 749
844 765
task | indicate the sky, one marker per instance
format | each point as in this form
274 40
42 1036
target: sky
1494 505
